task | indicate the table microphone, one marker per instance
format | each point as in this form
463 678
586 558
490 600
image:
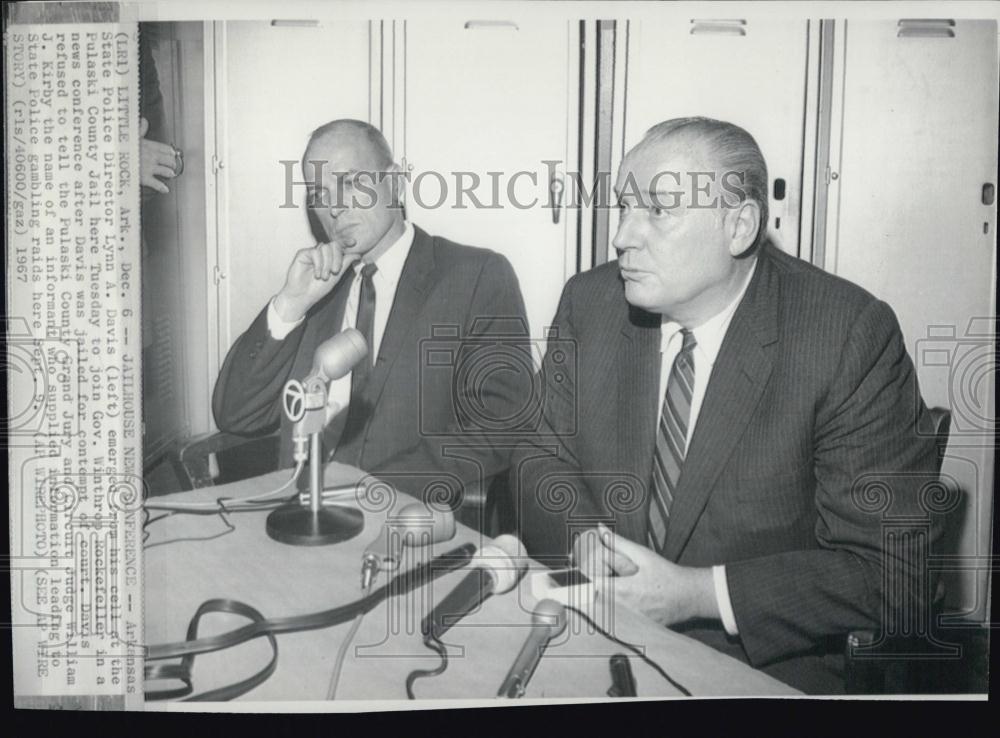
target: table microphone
496 569
338 355
305 405
305 402
414 525
548 621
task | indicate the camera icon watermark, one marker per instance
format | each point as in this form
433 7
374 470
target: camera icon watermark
489 375
965 363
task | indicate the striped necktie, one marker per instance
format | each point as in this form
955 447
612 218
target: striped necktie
671 441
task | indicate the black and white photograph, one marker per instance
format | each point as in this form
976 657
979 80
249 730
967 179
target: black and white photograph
400 355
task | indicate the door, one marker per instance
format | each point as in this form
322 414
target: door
751 72
174 295
489 102
910 180
277 82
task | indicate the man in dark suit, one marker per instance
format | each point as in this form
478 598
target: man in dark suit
747 424
410 294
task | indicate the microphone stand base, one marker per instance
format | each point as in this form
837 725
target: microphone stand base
298 525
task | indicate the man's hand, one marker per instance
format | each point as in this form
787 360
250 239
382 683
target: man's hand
596 560
311 276
629 574
155 160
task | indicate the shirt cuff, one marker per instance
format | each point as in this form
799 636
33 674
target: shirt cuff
277 327
722 597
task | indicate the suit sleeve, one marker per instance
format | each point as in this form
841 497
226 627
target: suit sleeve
873 470
490 390
247 395
546 474
493 381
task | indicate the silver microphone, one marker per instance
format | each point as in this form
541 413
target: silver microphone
495 569
304 403
548 621
414 525
338 355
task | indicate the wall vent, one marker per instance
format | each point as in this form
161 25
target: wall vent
925 28
711 26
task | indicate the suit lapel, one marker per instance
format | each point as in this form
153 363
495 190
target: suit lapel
638 402
414 282
738 379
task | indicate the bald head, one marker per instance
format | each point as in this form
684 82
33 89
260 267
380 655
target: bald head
365 138
354 192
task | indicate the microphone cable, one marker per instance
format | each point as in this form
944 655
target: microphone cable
259 626
149 521
338 663
637 651
182 671
439 648
222 506
435 645
219 504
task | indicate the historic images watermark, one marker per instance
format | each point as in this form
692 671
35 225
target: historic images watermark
523 189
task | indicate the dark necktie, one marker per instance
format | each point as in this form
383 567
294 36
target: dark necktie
359 409
366 324
671 441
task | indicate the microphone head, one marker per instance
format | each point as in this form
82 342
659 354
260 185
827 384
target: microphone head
417 521
505 560
551 614
414 525
337 355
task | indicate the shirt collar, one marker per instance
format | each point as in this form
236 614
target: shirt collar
710 334
390 264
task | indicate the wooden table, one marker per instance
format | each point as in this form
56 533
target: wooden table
281 580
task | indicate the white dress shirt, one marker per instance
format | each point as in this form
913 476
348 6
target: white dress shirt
386 280
708 336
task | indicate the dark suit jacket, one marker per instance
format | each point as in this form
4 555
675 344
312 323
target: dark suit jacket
804 456
452 301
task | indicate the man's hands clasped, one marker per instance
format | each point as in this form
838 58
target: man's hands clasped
628 574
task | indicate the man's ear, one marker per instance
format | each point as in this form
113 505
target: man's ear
397 186
744 223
